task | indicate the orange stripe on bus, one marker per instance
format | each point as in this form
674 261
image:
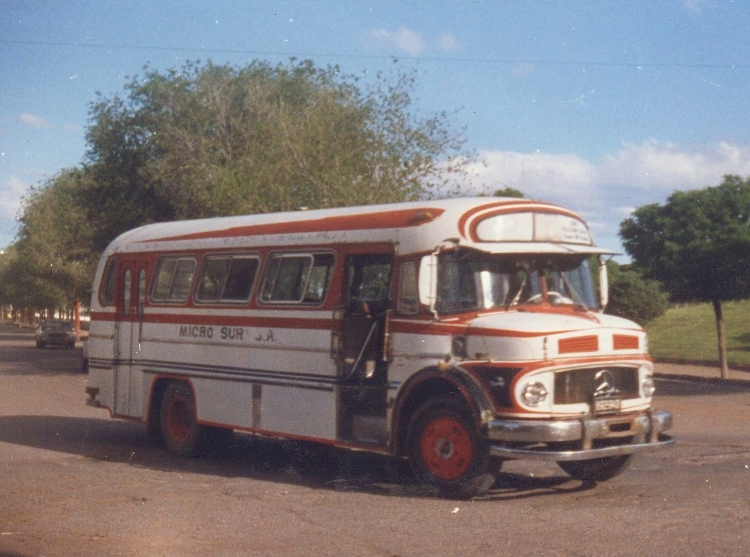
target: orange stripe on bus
402 218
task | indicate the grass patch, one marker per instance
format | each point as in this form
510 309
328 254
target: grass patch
688 333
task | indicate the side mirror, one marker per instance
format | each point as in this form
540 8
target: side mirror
603 283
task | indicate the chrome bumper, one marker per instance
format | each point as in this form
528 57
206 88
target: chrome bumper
583 431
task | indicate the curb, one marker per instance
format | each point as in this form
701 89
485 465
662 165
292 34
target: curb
706 363
743 383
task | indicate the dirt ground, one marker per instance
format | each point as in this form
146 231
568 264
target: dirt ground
75 483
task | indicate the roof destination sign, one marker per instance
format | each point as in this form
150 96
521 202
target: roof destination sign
531 226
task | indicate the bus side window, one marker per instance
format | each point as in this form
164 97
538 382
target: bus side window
172 279
320 278
126 292
240 279
226 278
408 298
297 278
107 296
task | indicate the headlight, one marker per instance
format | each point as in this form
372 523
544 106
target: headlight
534 394
648 387
536 391
645 375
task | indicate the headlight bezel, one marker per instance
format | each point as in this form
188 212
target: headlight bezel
646 381
536 392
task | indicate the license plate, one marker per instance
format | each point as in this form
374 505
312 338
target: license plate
606 405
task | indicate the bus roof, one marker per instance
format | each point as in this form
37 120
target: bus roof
492 224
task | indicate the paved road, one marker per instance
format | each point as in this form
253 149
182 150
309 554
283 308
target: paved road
74 483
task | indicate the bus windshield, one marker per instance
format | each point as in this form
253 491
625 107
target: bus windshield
475 281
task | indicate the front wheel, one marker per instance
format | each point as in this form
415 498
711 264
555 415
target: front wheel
599 469
445 450
180 432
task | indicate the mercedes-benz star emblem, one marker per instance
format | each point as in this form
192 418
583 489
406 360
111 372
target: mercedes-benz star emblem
605 383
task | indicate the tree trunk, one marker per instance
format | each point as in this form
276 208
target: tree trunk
722 339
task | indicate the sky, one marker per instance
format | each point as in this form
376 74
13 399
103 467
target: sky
601 106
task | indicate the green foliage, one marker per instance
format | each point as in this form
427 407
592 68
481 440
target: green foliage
210 140
633 297
697 244
509 192
54 259
218 140
687 333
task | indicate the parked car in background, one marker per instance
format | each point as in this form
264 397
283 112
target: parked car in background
55 332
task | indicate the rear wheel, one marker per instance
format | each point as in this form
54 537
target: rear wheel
445 450
179 430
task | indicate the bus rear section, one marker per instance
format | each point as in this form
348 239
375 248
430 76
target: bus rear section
458 334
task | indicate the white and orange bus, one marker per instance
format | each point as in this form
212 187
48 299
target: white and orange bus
456 333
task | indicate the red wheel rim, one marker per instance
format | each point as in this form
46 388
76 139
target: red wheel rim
179 418
446 447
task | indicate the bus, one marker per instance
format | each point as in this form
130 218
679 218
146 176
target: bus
457 334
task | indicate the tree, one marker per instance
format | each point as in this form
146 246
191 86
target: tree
509 192
633 297
220 140
697 245
212 140
54 256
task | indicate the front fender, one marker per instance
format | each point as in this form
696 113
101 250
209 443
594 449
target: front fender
432 382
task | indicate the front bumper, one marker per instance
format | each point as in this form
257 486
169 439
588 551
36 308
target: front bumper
514 439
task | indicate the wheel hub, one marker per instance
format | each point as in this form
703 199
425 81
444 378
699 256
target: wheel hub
446 447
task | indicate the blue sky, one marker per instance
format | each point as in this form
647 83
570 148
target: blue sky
601 106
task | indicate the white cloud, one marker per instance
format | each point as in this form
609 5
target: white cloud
75 128
33 120
607 191
448 42
695 6
12 191
409 41
654 167
538 175
664 167
414 43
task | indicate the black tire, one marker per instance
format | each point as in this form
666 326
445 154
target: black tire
598 469
180 432
445 449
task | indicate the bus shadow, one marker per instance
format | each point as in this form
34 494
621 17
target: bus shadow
246 456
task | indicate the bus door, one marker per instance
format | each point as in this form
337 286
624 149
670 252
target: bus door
363 361
131 298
